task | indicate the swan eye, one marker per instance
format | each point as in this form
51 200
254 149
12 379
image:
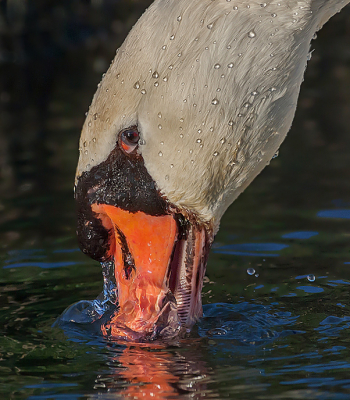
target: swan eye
129 139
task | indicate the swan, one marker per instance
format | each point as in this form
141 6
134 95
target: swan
194 105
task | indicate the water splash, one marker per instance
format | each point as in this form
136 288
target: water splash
90 311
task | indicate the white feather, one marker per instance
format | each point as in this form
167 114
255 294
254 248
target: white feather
212 86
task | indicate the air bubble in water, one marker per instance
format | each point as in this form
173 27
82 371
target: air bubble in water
250 271
311 278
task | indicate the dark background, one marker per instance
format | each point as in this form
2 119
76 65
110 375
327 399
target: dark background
52 55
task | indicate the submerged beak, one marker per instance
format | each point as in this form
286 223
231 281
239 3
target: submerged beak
159 265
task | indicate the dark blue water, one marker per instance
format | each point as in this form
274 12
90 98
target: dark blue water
277 311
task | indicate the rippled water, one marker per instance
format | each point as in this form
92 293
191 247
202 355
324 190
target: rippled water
277 310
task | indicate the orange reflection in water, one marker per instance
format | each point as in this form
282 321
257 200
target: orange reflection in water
157 372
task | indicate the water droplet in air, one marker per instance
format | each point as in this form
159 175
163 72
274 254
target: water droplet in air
179 54
90 123
171 66
159 115
160 154
199 140
172 37
94 140
156 84
230 65
216 153
223 141
85 152
171 165
143 91
273 15
164 47
137 85
235 8
179 18
250 271
209 26
217 66
165 79
95 116
311 278
215 102
230 122
155 75
159 126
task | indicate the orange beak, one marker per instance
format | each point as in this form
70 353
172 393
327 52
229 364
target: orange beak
158 273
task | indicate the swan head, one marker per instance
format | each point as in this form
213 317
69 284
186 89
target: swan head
195 104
